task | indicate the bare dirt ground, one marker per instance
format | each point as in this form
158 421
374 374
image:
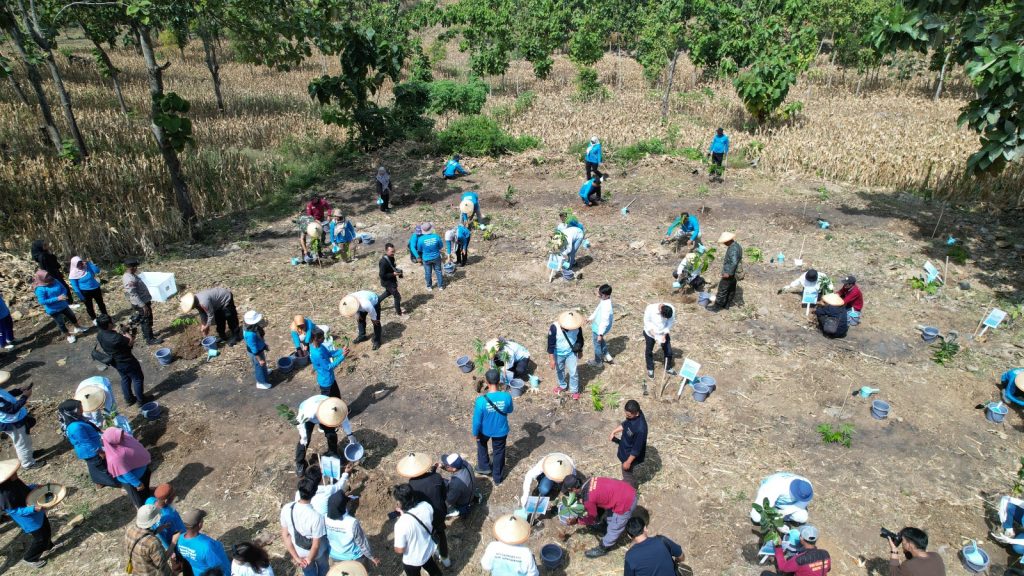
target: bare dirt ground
935 463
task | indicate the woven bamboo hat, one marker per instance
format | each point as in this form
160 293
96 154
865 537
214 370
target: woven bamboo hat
557 466
314 229
349 306
570 320
336 213
414 464
1018 381
298 321
4 376
8 468
511 529
347 568
332 412
187 303
92 398
466 206
726 237
832 299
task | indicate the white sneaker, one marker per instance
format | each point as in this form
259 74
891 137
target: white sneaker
71 339
608 357
94 323
80 330
263 386
76 306
442 290
429 289
9 347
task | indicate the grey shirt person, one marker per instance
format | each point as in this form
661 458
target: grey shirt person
211 300
460 488
135 289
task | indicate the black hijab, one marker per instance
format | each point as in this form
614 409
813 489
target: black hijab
337 505
46 259
71 411
13 494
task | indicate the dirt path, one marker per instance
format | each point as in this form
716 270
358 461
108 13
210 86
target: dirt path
933 463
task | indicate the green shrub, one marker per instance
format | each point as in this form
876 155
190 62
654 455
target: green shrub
462 97
588 87
641 149
524 102
691 153
958 253
481 136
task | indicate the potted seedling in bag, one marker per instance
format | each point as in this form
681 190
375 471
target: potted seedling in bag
771 522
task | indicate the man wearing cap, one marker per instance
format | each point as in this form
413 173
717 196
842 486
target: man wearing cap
719 148
460 487
832 317
811 279
1012 382
598 494
592 158
145 554
304 532
324 361
809 561
730 267
853 299
140 299
658 321
573 240
549 472
565 346
363 304
427 485
389 273
509 556
329 414
214 305
490 425
633 441
318 207
509 355
453 169
469 208
170 520
786 492
118 346
650 555
414 238
15 421
200 551
429 248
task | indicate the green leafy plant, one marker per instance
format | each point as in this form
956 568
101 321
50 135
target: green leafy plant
461 97
958 253
119 270
842 435
691 153
289 415
510 196
703 261
771 521
601 398
640 150
944 352
69 151
481 357
183 321
490 234
1018 482
481 136
822 194
588 88
523 103
753 255
930 288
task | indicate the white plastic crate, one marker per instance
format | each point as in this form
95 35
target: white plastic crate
161 285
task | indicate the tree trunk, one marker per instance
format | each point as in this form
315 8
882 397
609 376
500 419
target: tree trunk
17 89
182 197
942 75
49 126
113 74
668 87
210 48
36 33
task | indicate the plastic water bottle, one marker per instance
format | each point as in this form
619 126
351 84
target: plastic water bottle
780 258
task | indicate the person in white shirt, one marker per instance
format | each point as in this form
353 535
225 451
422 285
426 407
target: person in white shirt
304 532
786 492
549 472
658 321
250 559
601 324
573 241
508 556
363 304
329 414
810 279
412 532
511 356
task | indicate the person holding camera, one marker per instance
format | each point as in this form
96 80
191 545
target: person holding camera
917 561
389 273
140 299
118 346
565 347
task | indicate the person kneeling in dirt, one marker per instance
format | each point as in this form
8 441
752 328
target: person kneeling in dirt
808 561
453 169
832 316
590 192
1011 520
810 279
329 414
311 240
549 472
616 497
509 355
688 231
852 299
786 492
1012 382
687 274
461 491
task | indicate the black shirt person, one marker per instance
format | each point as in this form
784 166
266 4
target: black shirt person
119 346
633 442
389 274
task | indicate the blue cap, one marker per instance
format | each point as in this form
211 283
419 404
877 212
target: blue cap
801 489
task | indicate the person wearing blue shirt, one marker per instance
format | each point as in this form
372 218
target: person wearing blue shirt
469 208
15 421
199 550
650 555
429 247
342 234
31 519
565 346
460 236
324 362
86 286
689 230
590 192
302 334
1012 382
592 158
170 521
490 425
6 326
719 148
84 437
452 168
570 219
53 297
256 347
414 253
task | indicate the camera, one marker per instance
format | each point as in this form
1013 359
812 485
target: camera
897 539
131 327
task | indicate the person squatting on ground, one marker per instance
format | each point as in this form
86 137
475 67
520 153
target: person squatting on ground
469 209
565 347
1012 383
302 334
490 426
511 356
453 169
632 441
549 472
688 231
811 279
590 192
603 494
853 299
808 560
140 299
833 320
786 492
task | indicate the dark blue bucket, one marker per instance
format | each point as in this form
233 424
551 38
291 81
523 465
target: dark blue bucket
210 342
164 356
465 364
880 409
551 556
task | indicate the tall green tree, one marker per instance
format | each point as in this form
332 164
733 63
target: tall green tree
30 60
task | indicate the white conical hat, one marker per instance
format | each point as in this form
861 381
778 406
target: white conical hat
349 306
8 468
414 464
832 299
188 302
92 398
557 466
332 412
347 568
511 529
570 320
466 206
314 229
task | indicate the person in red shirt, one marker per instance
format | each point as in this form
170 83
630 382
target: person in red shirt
318 208
810 561
852 298
615 496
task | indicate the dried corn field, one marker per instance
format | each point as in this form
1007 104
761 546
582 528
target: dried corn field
120 201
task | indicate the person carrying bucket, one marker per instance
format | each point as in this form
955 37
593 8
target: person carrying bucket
1012 382
256 347
324 361
509 554
786 492
469 209
328 414
490 425
688 231
511 356
549 472
453 169
565 347
363 304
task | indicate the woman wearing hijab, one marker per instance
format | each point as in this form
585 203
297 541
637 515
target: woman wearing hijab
102 413
86 439
345 534
54 298
84 282
46 260
343 233
383 189
128 462
256 347
31 519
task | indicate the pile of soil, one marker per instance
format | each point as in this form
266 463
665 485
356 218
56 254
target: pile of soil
186 345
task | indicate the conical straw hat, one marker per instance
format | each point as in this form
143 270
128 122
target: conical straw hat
188 302
466 206
832 299
349 306
347 568
414 464
570 320
511 529
557 466
332 412
726 237
8 468
92 398
314 229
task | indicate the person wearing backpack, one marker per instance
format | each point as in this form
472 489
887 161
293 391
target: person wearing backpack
833 319
565 347
304 532
650 555
146 555
490 425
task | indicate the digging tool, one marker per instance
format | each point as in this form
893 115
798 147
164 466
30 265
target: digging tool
664 381
625 209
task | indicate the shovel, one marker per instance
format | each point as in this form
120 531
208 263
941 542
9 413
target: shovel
625 209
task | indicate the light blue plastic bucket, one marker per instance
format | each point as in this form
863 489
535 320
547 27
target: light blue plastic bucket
210 342
996 411
164 356
151 410
880 409
354 452
929 333
516 387
700 391
710 382
974 558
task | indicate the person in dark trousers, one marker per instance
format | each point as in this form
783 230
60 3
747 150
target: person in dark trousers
650 555
460 487
383 182
119 347
428 486
364 304
46 260
389 273
833 320
730 266
719 149
632 442
31 519
140 300
809 561
917 561
83 275
215 306
658 321
490 425
54 298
